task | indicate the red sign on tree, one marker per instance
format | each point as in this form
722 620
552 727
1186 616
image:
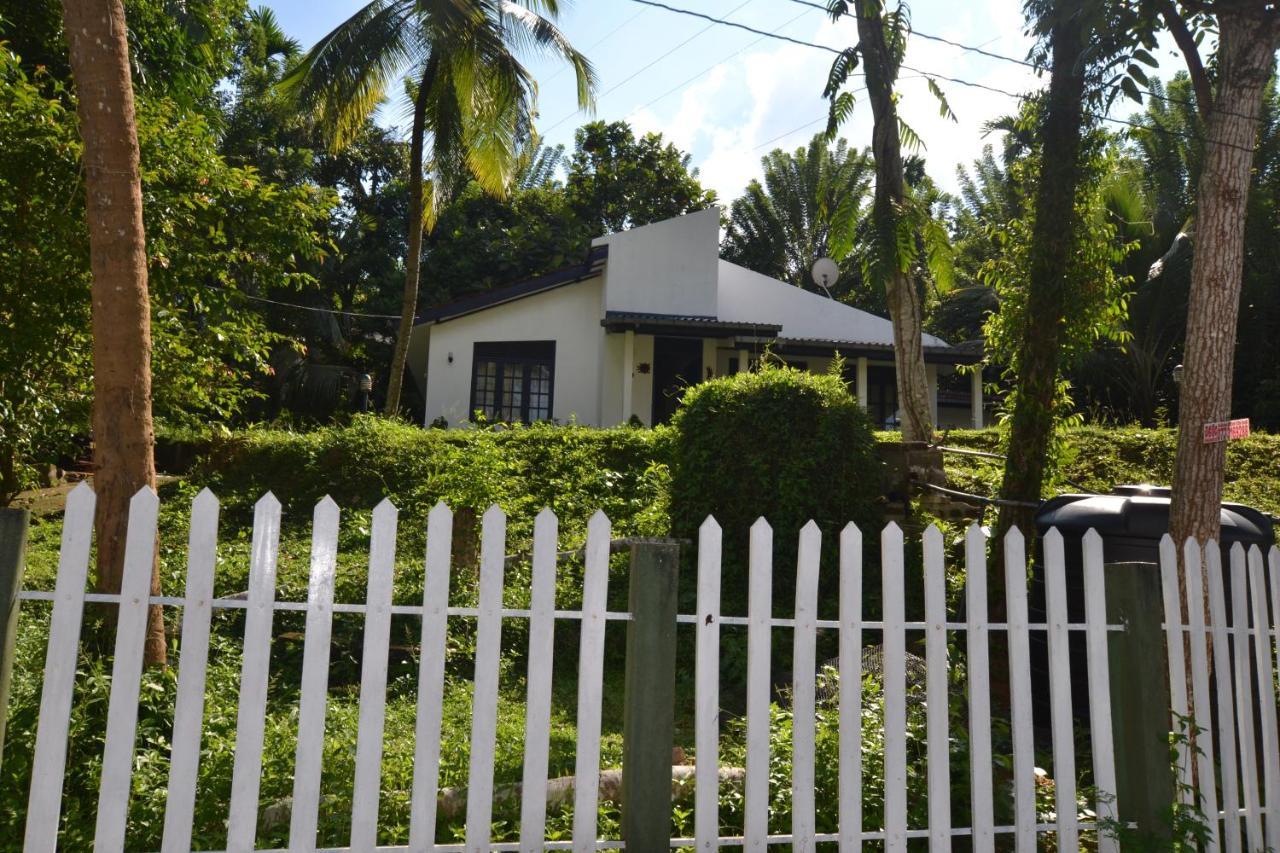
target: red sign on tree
1226 430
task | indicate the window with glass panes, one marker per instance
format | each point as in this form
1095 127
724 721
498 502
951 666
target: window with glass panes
513 380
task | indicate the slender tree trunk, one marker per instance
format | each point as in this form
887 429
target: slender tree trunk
905 309
1048 287
413 262
1246 52
123 437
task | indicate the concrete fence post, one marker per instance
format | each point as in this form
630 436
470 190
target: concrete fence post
1140 696
13 545
648 727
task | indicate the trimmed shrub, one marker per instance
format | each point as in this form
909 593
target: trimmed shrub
780 443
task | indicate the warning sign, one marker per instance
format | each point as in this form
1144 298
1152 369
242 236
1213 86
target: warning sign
1226 430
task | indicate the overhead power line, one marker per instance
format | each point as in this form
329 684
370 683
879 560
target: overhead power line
317 308
957 80
655 61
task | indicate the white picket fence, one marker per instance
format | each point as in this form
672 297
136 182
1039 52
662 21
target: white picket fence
1028 830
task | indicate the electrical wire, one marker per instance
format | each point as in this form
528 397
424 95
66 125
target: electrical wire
316 308
957 80
645 68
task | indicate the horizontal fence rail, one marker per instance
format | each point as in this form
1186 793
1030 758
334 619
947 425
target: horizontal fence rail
974 658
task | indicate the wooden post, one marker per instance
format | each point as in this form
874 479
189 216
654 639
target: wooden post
1140 696
13 545
648 726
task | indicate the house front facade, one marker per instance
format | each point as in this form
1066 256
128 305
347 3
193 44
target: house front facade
649 312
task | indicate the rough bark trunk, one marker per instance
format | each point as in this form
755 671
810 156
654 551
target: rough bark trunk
903 298
413 261
1246 51
122 427
1048 288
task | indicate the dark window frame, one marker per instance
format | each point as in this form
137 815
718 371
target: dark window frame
506 356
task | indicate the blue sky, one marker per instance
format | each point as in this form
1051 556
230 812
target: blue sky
728 96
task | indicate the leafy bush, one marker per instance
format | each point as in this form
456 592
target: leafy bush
779 443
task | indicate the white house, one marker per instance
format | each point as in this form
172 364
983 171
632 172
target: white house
650 311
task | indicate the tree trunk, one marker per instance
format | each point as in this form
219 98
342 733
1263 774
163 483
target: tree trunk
903 298
1048 287
1246 50
122 430
413 261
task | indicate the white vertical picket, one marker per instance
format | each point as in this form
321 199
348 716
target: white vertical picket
979 656
44 803
126 672
1267 697
759 612
1024 780
850 746
435 623
1244 699
1175 654
1101 737
1226 700
373 678
706 811
1061 722
894 674
484 697
188 715
314 692
804 666
537 719
1273 639
937 686
246 774
595 597
1206 783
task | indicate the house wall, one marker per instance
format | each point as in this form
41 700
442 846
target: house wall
668 267
569 315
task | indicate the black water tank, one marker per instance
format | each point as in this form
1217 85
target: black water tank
1131 521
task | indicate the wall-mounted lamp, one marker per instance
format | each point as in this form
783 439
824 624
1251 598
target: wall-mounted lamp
451 358
643 367
1177 374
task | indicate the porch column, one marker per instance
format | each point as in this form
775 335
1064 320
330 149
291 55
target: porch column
863 393
975 397
931 377
744 361
628 372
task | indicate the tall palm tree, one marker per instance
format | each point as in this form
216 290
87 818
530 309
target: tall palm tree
467 88
807 206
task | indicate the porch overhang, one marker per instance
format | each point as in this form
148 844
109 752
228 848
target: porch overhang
683 326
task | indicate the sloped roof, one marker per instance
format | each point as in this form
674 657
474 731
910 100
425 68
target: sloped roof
747 297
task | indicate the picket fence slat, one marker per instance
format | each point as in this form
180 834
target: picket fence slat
246 774
1024 780
979 656
1193 567
126 672
1104 766
193 662
707 689
44 803
314 693
1267 698
1273 642
937 679
367 790
537 720
595 596
1244 698
484 696
759 641
803 704
850 686
1064 752
1175 654
435 623
1226 701
894 676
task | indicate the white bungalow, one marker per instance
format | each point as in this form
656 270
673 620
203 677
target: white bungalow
648 312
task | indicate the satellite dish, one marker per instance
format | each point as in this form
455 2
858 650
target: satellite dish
825 272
